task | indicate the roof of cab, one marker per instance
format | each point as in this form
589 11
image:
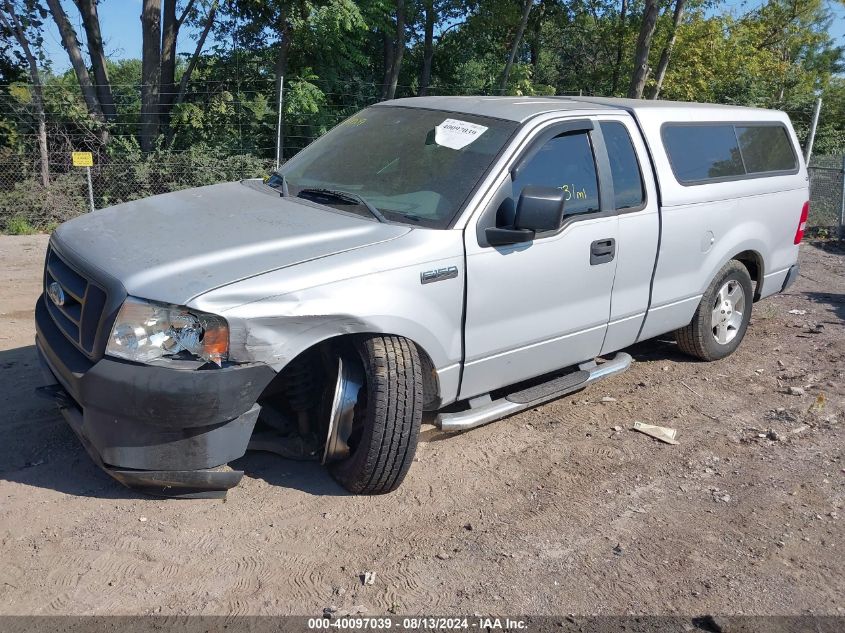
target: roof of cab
509 108
523 108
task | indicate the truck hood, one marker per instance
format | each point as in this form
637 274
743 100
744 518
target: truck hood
176 246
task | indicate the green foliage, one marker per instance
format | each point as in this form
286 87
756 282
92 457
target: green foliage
332 56
28 206
19 225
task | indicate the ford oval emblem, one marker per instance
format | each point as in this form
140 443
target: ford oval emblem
56 293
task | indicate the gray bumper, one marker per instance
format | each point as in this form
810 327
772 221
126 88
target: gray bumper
154 429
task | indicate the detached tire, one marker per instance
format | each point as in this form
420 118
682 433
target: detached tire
387 417
721 319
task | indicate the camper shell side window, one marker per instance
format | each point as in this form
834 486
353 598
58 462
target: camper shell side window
708 152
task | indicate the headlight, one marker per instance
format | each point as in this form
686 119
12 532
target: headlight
145 331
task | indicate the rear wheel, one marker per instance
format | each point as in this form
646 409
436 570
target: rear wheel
383 435
721 319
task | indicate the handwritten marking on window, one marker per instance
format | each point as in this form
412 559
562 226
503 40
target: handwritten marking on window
573 192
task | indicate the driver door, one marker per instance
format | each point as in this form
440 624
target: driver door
539 306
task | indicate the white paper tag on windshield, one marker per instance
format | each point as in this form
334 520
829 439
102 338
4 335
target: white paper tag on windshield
456 134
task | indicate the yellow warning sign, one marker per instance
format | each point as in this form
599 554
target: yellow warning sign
82 159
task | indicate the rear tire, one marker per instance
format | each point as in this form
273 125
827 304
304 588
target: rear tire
721 319
389 413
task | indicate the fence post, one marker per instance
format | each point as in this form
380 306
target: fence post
842 200
808 151
279 123
90 189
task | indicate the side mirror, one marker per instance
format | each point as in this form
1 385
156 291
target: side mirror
502 236
540 209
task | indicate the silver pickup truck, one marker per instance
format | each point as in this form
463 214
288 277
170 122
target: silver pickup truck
469 257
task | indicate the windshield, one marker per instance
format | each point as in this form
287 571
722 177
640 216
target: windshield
413 165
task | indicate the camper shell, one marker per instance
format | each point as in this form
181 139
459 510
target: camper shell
466 256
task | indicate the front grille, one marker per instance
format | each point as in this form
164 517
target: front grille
80 315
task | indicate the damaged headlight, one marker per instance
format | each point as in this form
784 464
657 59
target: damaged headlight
145 331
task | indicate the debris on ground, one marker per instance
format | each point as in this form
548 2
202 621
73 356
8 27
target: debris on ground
720 496
662 433
334 612
773 435
818 405
796 391
368 578
798 312
608 399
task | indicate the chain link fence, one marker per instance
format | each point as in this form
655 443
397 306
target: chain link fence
27 205
827 196
246 150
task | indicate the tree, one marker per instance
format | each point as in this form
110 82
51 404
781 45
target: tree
71 44
169 37
517 40
434 14
430 13
208 23
394 51
91 22
667 50
150 71
640 74
620 46
23 20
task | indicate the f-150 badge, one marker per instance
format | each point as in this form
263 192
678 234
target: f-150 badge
430 276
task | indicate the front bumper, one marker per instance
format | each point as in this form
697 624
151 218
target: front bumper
159 430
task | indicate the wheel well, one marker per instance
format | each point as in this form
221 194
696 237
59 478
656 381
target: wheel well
431 385
753 262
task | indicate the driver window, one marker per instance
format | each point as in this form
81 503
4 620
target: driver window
565 162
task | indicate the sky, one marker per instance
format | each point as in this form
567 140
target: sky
121 27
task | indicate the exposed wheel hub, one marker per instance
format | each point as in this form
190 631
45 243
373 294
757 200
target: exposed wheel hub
348 384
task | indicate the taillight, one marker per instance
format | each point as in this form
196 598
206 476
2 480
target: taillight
802 223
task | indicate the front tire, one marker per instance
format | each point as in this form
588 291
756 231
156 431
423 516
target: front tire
721 319
387 417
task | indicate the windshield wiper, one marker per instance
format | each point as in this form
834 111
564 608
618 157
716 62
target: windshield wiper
345 196
280 184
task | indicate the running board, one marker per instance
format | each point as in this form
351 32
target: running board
484 410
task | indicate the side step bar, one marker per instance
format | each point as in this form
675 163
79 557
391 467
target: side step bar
484 410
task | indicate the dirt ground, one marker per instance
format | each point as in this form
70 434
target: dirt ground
547 512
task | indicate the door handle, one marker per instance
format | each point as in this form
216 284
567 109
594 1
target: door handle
602 251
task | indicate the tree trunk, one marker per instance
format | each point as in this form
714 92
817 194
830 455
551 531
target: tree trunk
281 70
186 76
192 63
526 11
71 45
169 33
169 39
12 23
640 74
388 64
620 47
150 71
91 22
398 52
536 37
667 50
428 47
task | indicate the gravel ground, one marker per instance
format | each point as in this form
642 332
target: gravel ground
551 511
